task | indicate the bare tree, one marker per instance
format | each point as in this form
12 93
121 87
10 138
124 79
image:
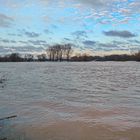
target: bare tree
49 53
28 57
59 52
41 57
68 51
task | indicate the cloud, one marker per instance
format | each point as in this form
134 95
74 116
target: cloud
35 42
67 39
38 42
23 42
123 7
109 11
31 34
89 43
47 31
13 34
134 41
80 34
109 45
116 45
54 26
5 21
111 4
13 41
122 34
28 33
94 3
7 41
21 49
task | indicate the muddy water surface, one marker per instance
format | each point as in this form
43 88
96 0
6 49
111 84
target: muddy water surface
70 101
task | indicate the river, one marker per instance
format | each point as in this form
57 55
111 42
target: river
70 100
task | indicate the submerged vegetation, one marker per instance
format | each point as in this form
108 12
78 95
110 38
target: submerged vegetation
65 53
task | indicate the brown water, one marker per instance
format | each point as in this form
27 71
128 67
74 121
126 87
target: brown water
70 101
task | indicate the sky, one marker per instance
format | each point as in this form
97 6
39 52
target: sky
92 26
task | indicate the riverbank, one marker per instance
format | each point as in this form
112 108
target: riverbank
15 57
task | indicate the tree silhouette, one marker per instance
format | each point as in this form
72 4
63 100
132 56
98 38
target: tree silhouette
59 52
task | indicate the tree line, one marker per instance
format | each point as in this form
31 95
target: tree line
58 52
16 57
64 52
113 57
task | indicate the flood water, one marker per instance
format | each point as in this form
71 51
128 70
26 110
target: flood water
70 101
